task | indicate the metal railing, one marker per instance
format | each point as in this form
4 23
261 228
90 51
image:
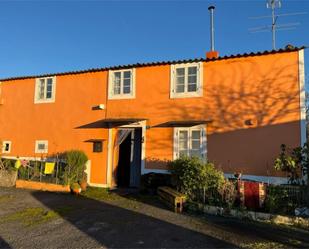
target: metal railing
35 171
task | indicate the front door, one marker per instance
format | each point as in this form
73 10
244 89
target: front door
129 164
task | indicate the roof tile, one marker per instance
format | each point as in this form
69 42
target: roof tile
149 64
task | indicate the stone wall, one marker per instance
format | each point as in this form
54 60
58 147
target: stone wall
7 178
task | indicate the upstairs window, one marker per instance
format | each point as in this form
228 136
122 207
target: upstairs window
190 142
121 84
45 90
186 80
41 146
6 146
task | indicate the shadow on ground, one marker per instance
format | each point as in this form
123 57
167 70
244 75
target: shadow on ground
254 231
287 236
4 244
113 226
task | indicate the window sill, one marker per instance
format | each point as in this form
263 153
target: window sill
44 101
185 95
115 97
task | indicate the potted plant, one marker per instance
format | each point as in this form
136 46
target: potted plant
75 166
83 182
75 188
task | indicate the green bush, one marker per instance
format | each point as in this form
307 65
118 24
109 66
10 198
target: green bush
295 162
75 166
8 164
279 201
228 193
199 180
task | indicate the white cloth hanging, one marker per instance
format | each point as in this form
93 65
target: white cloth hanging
122 135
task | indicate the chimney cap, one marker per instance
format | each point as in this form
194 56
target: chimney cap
211 7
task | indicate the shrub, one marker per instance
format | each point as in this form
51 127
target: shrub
294 162
228 193
199 180
283 199
8 164
277 200
75 166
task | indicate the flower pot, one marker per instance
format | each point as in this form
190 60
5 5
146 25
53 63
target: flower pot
83 185
75 188
76 191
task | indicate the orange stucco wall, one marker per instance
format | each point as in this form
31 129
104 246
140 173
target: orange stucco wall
263 88
23 122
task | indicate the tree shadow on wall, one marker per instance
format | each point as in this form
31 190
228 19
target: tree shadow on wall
253 111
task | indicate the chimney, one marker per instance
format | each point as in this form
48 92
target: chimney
212 54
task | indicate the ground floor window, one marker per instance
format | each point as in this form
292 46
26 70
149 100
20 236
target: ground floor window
190 142
6 146
41 146
97 146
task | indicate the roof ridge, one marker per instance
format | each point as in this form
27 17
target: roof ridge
159 63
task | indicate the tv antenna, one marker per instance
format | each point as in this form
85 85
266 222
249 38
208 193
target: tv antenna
273 5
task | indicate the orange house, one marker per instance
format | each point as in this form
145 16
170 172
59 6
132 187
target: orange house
234 111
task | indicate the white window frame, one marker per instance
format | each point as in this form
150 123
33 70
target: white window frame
111 94
39 151
203 140
3 146
199 80
37 99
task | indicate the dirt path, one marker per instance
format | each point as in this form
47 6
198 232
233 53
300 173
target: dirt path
32 219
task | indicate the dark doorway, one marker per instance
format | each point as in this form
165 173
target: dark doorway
129 165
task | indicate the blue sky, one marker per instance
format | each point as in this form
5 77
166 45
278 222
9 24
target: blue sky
55 36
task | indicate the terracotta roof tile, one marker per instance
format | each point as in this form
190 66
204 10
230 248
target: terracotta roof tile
149 64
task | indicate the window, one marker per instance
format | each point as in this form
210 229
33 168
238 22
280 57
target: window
186 80
6 146
121 84
97 146
190 142
45 90
41 146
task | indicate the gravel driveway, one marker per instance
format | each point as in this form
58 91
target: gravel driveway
31 219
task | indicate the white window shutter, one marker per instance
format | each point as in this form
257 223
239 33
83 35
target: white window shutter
203 143
176 143
111 83
173 78
198 74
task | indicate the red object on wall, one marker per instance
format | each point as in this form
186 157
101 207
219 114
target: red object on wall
251 194
251 190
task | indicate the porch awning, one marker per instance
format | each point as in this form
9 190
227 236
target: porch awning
121 121
183 123
108 123
95 140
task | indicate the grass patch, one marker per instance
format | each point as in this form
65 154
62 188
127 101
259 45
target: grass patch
101 194
295 242
263 245
129 201
6 198
35 216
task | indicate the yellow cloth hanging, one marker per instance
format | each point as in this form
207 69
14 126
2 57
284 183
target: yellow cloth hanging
49 168
17 164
